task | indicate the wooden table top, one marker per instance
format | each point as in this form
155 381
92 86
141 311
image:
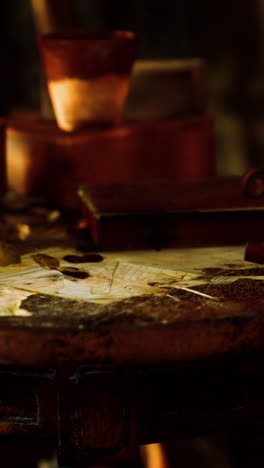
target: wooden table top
143 317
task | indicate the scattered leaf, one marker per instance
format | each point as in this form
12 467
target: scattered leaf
87 258
8 256
74 272
51 263
46 261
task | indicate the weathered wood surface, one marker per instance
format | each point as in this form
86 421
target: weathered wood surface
101 379
145 329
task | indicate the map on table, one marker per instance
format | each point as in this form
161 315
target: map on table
120 275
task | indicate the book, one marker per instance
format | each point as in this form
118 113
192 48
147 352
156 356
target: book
184 213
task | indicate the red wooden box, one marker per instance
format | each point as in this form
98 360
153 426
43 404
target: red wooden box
47 162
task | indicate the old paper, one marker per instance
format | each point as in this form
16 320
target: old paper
119 275
109 280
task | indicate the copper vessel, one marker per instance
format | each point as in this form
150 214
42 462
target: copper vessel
88 75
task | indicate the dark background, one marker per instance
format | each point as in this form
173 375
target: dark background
166 29
228 33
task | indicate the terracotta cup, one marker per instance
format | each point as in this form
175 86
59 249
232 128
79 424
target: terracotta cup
88 75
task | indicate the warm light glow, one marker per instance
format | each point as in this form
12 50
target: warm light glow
80 102
18 161
154 456
43 17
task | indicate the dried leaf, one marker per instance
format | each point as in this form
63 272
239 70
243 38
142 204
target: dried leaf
51 263
74 272
8 256
46 261
87 258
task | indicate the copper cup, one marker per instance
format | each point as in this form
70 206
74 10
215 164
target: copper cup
88 75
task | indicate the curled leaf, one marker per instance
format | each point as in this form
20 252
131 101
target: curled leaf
46 261
87 258
74 272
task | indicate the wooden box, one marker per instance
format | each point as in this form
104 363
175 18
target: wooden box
46 162
187 213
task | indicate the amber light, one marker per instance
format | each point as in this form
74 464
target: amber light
154 456
88 75
78 102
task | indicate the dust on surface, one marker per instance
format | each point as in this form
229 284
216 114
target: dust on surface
243 289
212 272
242 298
